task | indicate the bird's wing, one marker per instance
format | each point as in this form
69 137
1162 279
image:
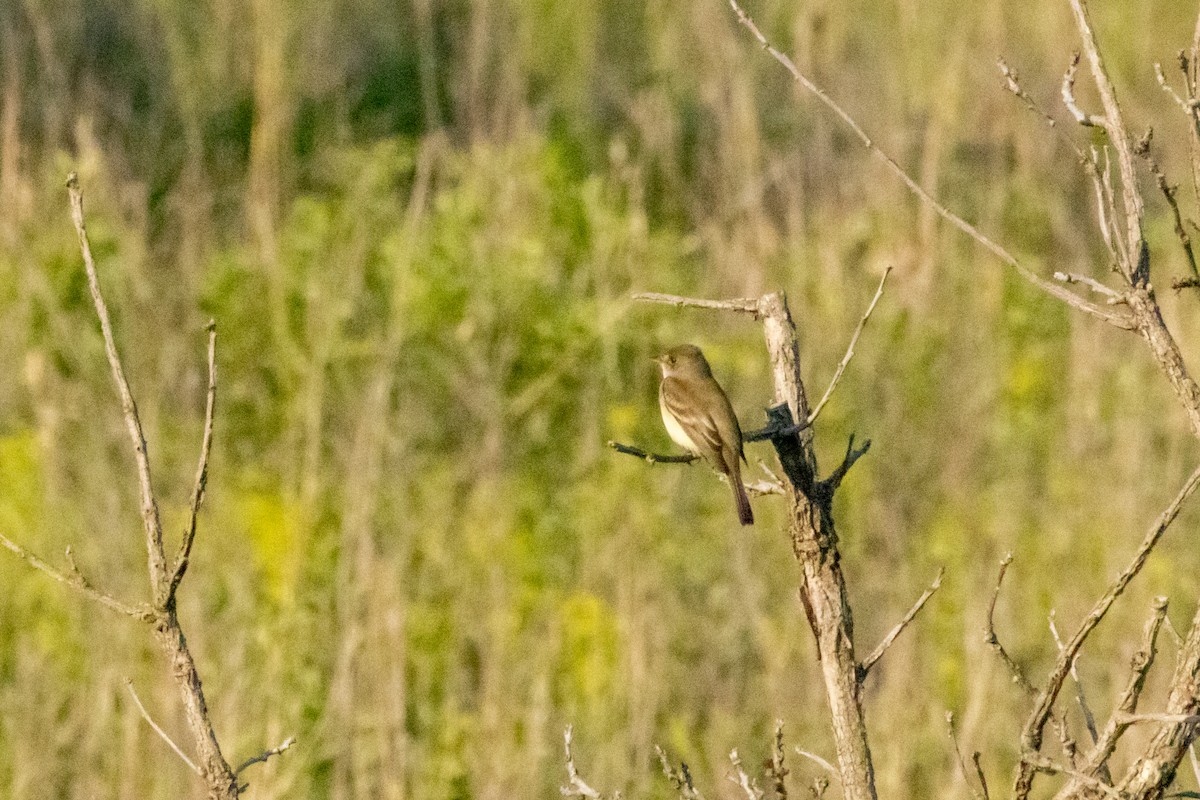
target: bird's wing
698 425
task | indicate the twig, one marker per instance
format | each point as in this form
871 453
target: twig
962 762
841 368
1040 763
680 778
744 305
189 536
150 518
1106 742
1068 97
1089 719
1114 317
831 484
78 582
1091 283
983 784
990 637
882 647
1012 84
1168 191
157 729
1031 736
1115 126
1188 106
743 781
262 757
816 759
775 767
652 458
576 786
1166 719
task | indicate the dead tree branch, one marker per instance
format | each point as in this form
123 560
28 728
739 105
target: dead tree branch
1115 317
219 779
161 733
841 367
991 639
883 646
1031 735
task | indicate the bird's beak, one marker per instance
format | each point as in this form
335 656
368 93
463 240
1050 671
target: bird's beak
656 359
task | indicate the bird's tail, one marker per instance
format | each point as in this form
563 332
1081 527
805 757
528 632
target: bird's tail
745 514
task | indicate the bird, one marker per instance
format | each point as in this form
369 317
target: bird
699 417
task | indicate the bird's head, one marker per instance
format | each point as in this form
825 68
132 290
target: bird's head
684 360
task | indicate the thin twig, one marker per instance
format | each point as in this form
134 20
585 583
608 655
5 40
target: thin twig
1114 124
841 367
1068 97
680 778
743 305
189 536
882 647
150 517
1114 317
1040 763
157 729
775 767
262 757
1089 719
853 454
816 759
962 762
1097 760
983 784
1031 736
743 781
1168 191
652 458
1091 283
576 786
1012 84
78 582
990 637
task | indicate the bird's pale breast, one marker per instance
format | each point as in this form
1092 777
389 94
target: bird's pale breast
674 429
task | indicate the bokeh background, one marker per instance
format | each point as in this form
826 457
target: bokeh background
417 225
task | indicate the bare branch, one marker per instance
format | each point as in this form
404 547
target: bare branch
962 762
262 757
1040 763
576 786
1168 191
150 517
1012 84
1031 736
158 730
743 781
1115 126
831 484
1068 97
983 784
989 633
1188 106
189 536
744 305
775 767
816 759
680 778
652 458
1114 317
841 368
78 582
1093 284
882 647
1089 719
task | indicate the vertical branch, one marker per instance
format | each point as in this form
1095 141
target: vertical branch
219 778
150 518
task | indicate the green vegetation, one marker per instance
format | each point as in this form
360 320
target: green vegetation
417 226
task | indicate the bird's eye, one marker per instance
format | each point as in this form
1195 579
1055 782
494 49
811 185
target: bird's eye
671 360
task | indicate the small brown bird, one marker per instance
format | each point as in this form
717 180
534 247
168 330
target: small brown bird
699 417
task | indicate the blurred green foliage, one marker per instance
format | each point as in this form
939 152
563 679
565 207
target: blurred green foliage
417 226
